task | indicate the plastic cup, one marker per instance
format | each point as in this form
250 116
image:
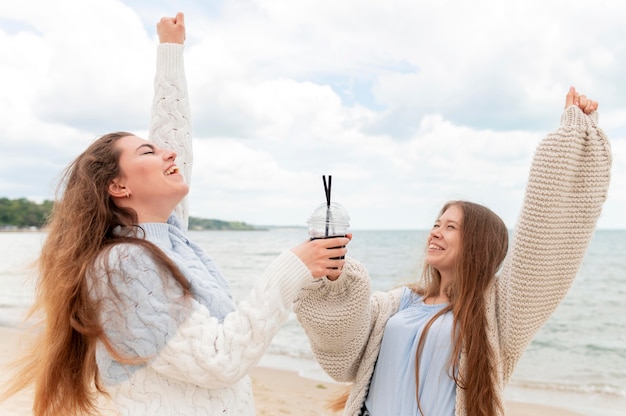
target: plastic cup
328 221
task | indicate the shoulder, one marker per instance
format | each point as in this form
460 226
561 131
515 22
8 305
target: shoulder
408 297
123 255
128 268
387 303
126 264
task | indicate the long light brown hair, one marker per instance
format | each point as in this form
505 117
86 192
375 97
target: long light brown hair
484 244
61 364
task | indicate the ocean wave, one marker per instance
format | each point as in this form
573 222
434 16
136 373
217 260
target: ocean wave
603 389
298 354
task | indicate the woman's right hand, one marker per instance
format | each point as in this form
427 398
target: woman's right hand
317 255
581 101
172 29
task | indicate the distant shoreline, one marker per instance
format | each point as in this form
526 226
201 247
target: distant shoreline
21 229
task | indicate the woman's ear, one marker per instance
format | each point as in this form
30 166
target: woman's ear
117 190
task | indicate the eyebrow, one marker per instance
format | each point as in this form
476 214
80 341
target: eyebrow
449 221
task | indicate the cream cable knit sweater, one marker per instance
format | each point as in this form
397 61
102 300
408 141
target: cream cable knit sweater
567 187
199 349
170 117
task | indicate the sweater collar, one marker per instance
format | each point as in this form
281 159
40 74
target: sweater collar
158 233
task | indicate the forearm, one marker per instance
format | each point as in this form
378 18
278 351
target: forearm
170 122
567 187
214 354
337 317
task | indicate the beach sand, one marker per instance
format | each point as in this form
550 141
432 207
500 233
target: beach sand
277 392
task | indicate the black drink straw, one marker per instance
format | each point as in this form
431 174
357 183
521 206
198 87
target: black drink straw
327 190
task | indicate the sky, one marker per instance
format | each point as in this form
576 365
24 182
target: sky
406 103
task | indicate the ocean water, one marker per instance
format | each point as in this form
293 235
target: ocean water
577 361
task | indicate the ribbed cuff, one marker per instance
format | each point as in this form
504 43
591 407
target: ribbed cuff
170 58
352 272
289 273
573 116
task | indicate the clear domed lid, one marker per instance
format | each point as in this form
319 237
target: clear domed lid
328 220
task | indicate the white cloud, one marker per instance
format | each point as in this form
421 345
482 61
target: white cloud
407 104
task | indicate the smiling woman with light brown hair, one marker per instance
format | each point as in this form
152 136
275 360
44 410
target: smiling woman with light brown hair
448 345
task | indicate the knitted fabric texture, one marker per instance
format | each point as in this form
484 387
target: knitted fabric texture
190 355
170 124
567 186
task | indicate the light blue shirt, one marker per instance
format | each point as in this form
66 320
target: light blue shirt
392 389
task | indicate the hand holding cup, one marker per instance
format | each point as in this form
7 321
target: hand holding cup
324 257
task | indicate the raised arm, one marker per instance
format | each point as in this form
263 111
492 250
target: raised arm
170 121
567 186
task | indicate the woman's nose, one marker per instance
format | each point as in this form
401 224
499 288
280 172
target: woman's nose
170 155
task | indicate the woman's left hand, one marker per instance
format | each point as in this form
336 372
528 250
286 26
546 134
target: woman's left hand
581 101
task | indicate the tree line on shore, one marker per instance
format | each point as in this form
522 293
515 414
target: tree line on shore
22 213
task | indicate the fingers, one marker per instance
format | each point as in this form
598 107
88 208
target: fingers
570 97
332 242
180 18
165 22
323 257
331 268
172 29
589 105
581 101
586 104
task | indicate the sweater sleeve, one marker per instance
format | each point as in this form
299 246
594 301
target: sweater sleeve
339 318
567 186
148 316
170 121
